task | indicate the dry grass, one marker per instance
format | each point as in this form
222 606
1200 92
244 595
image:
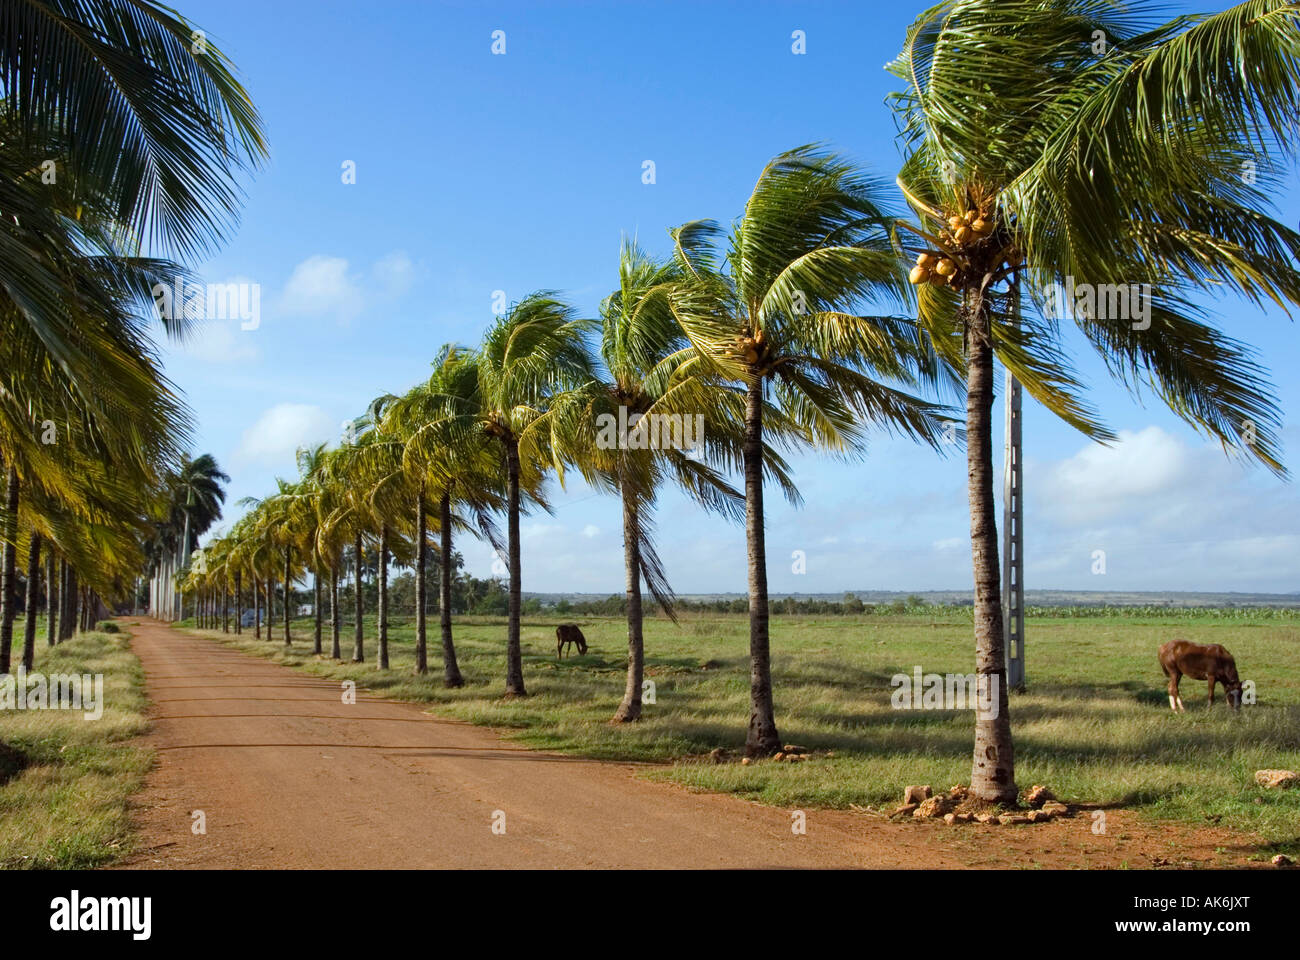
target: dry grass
65 780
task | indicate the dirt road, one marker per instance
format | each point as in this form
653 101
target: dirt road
288 775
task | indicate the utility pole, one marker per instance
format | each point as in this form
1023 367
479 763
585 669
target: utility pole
1013 542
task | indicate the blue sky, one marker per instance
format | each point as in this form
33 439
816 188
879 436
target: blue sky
478 172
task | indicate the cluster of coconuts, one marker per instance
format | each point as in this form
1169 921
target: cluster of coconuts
750 348
963 230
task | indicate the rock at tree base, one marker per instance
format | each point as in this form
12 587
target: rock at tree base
1282 860
933 807
1037 795
1012 819
718 755
905 810
1277 779
986 818
917 794
792 748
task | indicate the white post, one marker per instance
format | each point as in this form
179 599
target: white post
1013 543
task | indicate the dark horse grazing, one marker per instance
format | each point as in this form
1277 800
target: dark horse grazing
569 633
1179 658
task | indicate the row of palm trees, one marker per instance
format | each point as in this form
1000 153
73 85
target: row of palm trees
1031 156
120 148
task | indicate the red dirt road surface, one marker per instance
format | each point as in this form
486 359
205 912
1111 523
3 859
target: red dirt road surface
288 775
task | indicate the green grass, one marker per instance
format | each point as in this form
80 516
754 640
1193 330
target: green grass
65 780
1095 724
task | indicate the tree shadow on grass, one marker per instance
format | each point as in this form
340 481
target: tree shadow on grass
12 763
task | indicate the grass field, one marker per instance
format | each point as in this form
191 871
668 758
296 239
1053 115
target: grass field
1094 725
65 780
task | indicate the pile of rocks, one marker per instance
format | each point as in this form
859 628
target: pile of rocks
1277 779
791 753
921 803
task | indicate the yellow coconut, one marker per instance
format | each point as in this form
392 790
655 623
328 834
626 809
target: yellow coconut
919 274
945 268
926 260
963 234
954 221
982 227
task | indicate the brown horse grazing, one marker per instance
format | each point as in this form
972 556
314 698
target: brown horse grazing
569 633
1179 658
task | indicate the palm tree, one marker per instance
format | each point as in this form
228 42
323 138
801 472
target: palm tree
80 82
352 516
1039 160
332 532
462 476
378 469
150 131
775 313
532 353
197 496
311 467
643 349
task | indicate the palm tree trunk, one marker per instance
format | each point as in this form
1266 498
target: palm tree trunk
51 600
382 627
33 582
270 607
257 610
182 560
68 594
630 709
358 647
335 620
450 669
421 587
514 656
239 602
288 600
993 773
762 738
315 609
8 571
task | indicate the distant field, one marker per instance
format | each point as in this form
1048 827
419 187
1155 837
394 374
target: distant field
64 780
1094 725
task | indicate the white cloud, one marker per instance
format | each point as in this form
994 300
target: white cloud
1103 481
590 531
1168 516
323 286
221 341
320 286
278 433
394 274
